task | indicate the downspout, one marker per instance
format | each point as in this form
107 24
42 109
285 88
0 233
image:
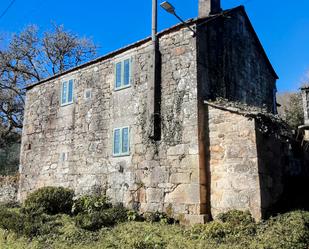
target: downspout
154 29
154 89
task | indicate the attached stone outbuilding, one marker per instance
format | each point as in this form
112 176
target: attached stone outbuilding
248 158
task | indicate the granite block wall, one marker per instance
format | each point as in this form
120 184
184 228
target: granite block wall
71 145
232 64
235 179
206 161
253 164
8 189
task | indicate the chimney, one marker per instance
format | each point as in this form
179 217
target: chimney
209 7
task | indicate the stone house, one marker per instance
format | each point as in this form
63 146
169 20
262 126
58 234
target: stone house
91 128
305 104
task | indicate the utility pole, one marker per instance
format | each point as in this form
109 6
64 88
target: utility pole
154 85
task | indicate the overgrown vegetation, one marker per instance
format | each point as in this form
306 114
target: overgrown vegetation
50 200
95 223
105 218
89 204
291 109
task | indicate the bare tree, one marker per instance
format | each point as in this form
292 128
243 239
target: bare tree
294 112
291 109
31 57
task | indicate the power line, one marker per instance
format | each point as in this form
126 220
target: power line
7 9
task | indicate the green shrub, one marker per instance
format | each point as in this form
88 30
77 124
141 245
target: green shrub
146 235
134 216
236 217
290 230
11 204
10 220
94 212
93 221
215 230
50 200
27 224
70 234
232 226
158 217
118 213
90 203
105 218
148 243
35 224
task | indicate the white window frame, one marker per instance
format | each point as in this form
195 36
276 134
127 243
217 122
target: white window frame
64 157
120 139
67 97
122 86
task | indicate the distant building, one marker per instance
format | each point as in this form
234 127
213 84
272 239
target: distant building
305 99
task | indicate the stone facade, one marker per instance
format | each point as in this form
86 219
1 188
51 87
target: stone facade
233 163
232 63
255 162
155 175
71 145
247 165
8 189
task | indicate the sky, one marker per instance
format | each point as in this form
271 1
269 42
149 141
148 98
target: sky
282 25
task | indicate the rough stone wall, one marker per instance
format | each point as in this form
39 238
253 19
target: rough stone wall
8 189
283 168
155 176
231 63
254 164
273 159
233 163
174 174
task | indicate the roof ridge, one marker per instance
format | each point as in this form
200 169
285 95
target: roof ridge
134 45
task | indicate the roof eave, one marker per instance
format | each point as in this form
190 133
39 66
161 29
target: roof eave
166 31
114 53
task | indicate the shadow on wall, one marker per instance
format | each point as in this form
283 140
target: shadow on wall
204 160
9 159
283 174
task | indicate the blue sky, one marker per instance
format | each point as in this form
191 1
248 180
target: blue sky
282 25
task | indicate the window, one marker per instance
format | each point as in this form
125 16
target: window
121 141
87 94
122 74
63 157
67 92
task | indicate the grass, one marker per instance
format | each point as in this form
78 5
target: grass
287 231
